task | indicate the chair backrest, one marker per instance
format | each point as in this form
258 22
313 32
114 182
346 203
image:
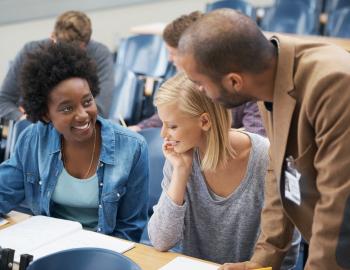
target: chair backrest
143 54
332 5
290 17
14 133
156 163
84 259
128 96
312 5
241 5
338 23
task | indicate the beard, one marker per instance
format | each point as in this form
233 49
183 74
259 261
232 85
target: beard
231 99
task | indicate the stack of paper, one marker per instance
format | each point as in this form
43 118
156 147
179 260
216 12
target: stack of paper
40 236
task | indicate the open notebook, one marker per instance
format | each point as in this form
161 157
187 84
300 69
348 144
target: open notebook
40 236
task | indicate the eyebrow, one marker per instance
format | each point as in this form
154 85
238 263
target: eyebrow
66 102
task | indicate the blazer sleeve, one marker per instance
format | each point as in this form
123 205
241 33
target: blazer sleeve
328 110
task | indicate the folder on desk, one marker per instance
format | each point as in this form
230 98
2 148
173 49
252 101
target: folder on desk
41 235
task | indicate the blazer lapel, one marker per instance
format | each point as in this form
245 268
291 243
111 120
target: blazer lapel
283 103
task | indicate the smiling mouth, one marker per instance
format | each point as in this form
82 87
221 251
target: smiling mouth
173 143
86 126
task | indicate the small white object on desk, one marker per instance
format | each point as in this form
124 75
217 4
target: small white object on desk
187 263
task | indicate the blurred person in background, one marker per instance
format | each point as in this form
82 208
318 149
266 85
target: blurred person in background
246 116
74 27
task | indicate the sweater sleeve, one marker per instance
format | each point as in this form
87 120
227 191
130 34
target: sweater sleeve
10 90
165 227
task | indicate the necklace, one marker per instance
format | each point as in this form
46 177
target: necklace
92 156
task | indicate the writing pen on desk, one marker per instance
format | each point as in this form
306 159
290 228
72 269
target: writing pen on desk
122 121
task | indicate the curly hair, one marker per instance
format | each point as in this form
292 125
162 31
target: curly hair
48 66
173 31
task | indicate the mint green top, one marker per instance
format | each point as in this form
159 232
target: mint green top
76 199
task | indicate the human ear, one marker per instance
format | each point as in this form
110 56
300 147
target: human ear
53 37
46 118
205 121
233 81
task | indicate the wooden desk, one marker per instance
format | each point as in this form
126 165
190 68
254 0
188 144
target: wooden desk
145 256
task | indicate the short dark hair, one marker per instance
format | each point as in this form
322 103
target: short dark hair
73 26
46 67
173 31
234 44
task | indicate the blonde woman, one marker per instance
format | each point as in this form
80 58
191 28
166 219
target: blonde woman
213 178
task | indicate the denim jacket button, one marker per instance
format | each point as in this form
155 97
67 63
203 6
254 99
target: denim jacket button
101 184
118 194
98 229
101 164
100 206
40 183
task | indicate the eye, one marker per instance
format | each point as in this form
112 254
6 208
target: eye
88 102
172 127
66 109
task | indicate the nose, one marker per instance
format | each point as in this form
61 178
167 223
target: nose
81 114
163 132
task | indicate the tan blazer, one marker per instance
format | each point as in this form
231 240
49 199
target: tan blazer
310 121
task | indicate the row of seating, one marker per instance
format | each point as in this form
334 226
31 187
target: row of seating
296 16
141 66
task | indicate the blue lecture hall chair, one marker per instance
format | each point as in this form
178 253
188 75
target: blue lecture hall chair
3 140
144 55
84 259
147 58
332 5
15 129
240 5
338 23
14 132
127 97
290 16
312 5
156 163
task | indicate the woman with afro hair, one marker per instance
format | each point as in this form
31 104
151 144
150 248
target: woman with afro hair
71 163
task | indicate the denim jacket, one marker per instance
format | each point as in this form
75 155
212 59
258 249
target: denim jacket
31 174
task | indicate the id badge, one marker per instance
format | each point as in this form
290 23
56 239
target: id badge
291 183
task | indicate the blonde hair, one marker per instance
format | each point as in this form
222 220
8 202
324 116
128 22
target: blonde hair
73 26
186 95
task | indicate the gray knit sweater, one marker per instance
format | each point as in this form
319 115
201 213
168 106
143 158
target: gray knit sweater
207 227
